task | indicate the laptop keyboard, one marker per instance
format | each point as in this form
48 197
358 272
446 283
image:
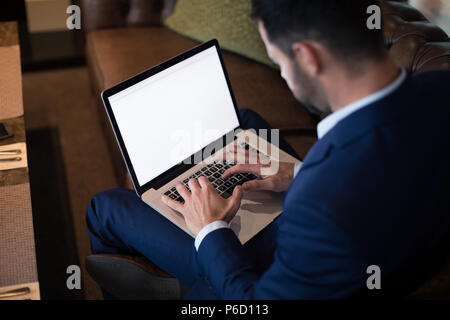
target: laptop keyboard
213 172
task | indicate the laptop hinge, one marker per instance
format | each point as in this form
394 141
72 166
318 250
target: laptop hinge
188 163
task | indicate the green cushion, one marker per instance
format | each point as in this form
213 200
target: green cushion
226 20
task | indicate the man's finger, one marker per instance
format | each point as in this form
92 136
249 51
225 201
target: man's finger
236 197
175 205
193 185
204 182
242 168
255 185
182 190
235 200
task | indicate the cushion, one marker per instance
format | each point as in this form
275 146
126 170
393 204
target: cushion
225 20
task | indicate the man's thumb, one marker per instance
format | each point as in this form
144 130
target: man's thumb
235 199
237 194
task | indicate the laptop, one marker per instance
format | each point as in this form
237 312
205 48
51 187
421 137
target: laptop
174 121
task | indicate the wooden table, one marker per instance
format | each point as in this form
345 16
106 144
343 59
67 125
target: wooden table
18 270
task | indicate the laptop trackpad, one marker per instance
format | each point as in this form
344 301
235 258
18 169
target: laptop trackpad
258 209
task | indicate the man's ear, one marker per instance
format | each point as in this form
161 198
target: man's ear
307 56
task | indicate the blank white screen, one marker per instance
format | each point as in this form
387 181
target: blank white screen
174 114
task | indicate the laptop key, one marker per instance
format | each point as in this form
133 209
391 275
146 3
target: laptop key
213 169
173 189
180 199
211 179
167 193
222 188
207 173
172 196
219 182
226 194
216 175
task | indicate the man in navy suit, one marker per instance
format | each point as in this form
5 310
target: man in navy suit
366 212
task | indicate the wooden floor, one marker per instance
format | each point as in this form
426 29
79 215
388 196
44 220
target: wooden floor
61 99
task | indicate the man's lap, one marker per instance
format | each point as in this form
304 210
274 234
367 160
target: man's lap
120 222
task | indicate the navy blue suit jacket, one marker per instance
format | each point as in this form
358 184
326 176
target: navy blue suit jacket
373 191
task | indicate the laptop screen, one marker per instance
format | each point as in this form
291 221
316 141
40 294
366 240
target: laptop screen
175 113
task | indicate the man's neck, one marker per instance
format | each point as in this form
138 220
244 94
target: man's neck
348 87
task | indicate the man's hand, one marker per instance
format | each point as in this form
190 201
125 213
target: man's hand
250 162
203 204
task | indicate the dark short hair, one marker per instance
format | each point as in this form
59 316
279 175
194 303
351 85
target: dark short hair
339 25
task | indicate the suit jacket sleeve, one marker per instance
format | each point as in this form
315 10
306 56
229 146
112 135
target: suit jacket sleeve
313 260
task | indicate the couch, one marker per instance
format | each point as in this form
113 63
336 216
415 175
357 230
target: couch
126 37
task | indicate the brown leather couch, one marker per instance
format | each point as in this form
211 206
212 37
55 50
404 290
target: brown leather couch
125 37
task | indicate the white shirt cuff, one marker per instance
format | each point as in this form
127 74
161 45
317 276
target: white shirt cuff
297 167
208 229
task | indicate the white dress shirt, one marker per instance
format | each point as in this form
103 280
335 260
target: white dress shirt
323 128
